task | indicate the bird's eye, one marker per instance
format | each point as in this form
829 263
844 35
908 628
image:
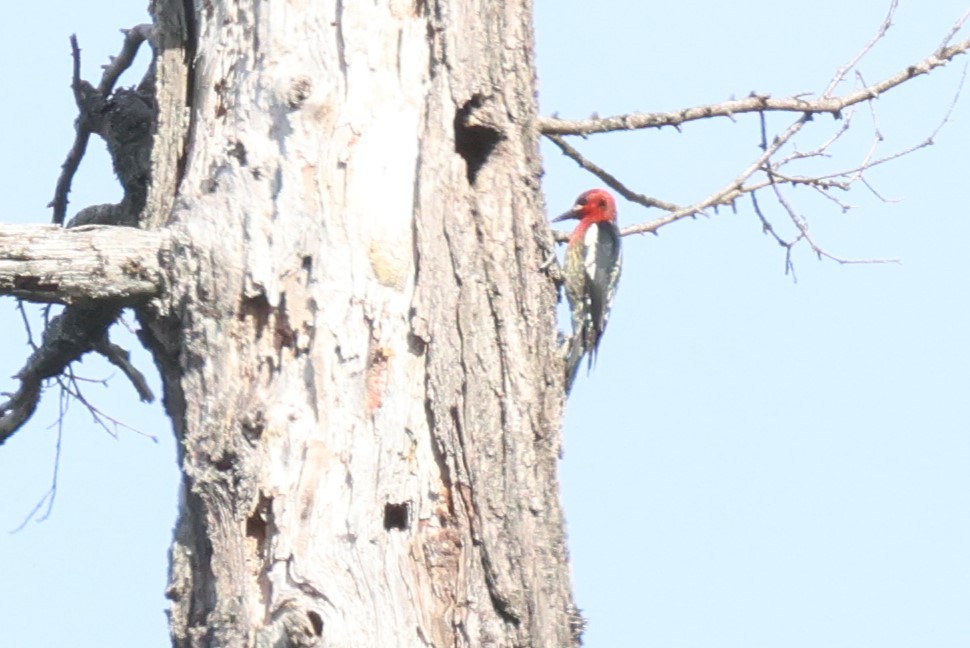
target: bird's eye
602 204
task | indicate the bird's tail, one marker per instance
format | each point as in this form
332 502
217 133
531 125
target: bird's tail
572 355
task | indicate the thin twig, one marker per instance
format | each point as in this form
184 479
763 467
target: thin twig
51 493
78 148
609 179
957 26
802 226
768 228
26 321
99 417
861 54
731 191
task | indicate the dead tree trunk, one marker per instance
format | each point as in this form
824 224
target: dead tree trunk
357 341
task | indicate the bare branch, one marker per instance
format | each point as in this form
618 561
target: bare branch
91 102
51 493
46 263
69 336
610 180
755 102
26 321
120 358
841 73
802 226
954 30
776 165
78 148
18 407
768 228
731 191
71 390
134 37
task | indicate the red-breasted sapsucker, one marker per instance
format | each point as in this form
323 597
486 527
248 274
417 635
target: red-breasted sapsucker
590 274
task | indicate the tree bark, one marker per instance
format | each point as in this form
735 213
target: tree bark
358 343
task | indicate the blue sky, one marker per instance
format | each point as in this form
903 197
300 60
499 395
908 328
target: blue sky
753 462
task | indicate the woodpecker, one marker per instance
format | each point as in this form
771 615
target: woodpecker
590 274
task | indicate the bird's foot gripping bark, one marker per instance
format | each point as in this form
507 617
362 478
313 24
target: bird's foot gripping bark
552 268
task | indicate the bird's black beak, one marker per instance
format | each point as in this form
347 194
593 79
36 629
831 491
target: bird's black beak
575 212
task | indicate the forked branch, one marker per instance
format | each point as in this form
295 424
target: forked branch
91 103
95 270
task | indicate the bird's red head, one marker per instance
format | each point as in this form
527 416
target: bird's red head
593 206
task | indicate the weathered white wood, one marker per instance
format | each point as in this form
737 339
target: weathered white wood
47 263
358 348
